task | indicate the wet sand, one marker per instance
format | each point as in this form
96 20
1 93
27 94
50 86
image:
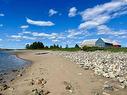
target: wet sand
54 75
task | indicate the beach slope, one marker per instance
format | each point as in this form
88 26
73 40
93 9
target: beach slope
53 75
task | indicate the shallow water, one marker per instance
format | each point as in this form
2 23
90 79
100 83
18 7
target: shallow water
10 62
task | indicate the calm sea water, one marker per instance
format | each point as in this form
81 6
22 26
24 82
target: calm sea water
9 62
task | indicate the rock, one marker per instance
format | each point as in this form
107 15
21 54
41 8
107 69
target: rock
125 83
86 68
105 93
3 87
35 92
14 70
123 86
111 75
45 92
106 75
11 88
107 64
68 86
108 86
121 79
96 93
32 82
40 92
79 74
41 81
19 75
119 86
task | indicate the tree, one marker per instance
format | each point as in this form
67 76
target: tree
60 46
27 46
35 45
57 46
77 46
46 47
66 46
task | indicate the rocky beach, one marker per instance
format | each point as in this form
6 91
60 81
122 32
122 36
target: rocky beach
71 73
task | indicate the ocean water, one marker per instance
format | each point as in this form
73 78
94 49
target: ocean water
10 62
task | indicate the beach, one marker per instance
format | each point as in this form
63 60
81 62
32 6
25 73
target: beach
51 74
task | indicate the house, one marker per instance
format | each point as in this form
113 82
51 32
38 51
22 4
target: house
116 44
101 42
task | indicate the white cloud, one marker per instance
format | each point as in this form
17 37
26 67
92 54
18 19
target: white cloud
72 12
101 14
1 25
55 41
26 32
40 23
29 38
75 33
1 14
103 29
1 39
49 36
52 12
24 26
19 37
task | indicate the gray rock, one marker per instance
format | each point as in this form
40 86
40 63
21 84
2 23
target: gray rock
108 87
121 79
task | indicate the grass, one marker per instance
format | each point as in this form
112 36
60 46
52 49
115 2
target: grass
87 49
111 49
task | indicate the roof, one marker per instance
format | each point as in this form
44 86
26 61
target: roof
110 41
89 42
115 43
107 40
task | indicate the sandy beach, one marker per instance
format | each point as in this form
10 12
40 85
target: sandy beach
54 75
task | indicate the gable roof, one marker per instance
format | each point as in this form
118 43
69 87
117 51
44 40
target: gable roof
115 43
107 40
90 42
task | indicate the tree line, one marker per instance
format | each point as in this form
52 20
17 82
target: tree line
40 45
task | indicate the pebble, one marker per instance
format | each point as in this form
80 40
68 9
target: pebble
107 64
3 87
105 93
108 87
121 79
40 92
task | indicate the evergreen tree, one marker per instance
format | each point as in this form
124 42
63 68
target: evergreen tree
27 46
60 46
77 46
46 47
35 45
66 46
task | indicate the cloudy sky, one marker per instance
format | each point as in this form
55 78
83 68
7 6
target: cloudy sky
61 21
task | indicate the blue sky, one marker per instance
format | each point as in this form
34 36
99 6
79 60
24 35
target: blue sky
61 21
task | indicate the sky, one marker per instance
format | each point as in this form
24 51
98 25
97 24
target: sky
61 21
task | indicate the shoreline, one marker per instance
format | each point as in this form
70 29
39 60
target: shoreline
42 77
9 75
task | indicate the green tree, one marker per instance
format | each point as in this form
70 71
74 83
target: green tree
61 47
27 46
77 46
66 46
35 45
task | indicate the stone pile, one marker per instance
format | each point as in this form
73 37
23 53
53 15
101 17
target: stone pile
107 64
